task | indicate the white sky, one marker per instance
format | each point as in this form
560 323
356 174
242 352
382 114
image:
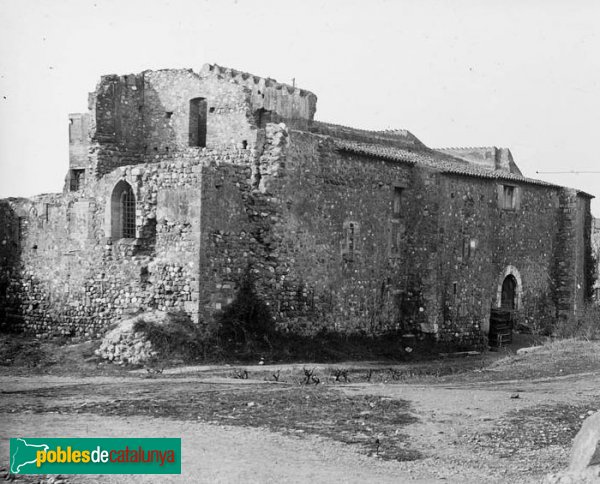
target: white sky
520 74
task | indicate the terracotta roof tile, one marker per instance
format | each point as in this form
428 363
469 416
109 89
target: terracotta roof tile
434 159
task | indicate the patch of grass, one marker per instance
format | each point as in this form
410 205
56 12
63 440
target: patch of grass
18 351
554 358
373 423
534 428
25 355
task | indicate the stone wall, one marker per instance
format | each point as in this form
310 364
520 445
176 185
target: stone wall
341 239
437 266
482 243
595 255
66 275
79 134
336 240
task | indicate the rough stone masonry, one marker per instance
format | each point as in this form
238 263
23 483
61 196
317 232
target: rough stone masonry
179 181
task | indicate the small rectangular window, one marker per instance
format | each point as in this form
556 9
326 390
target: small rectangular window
509 197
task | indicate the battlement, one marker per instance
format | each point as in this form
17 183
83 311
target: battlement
250 79
278 100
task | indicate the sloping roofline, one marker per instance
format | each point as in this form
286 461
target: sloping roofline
439 162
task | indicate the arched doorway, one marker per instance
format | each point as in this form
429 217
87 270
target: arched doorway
507 303
509 290
508 298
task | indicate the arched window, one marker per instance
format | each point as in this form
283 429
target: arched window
123 211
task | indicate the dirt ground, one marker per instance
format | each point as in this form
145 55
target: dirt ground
381 423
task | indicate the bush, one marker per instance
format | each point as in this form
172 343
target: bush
584 325
174 337
247 321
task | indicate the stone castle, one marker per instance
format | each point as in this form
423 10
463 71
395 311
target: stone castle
180 181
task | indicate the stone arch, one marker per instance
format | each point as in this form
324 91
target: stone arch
122 212
512 273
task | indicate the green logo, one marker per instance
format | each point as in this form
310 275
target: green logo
95 456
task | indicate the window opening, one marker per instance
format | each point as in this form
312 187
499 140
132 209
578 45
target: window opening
397 202
197 125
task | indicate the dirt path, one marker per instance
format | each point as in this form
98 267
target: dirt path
213 454
450 433
451 417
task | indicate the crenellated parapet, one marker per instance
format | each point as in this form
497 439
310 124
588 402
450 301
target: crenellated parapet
288 102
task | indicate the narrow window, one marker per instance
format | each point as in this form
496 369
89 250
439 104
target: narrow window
128 211
197 129
508 197
396 234
77 179
123 211
397 202
469 247
70 130
22 224
465 249
351 240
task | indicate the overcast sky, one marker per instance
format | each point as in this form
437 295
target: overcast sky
518 74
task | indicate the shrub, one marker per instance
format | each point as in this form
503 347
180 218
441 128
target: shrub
247 320
175 336
585 324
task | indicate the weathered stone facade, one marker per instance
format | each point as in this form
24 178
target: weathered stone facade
179 181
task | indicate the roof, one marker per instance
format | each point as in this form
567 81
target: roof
435 160
401 138
489 157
